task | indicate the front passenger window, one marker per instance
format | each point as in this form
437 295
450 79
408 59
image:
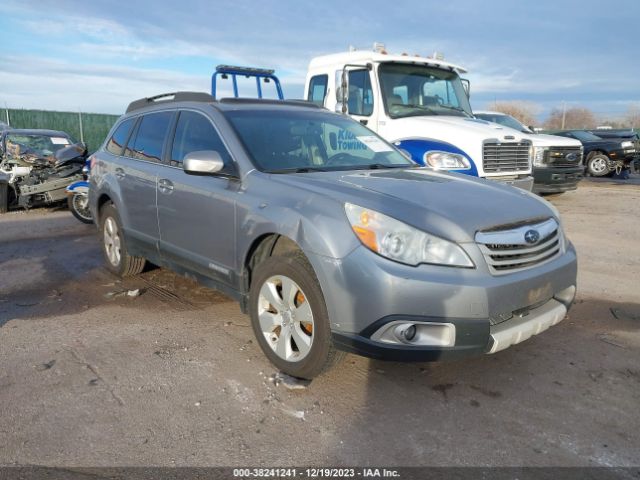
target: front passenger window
194 132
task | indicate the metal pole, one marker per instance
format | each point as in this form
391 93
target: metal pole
564 113
6 110
80 121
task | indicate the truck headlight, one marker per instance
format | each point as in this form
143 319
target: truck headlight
538 156
402 243
446 160
626 144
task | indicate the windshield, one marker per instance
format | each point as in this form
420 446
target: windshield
585 136
410 90
39 145
281 141
503 119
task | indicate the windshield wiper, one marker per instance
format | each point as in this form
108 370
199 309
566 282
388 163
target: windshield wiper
457 109
298 170
377 166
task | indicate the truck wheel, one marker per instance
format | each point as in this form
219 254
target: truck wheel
289 316
598 165
113 245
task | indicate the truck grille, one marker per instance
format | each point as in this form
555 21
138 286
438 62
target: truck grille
506 157
512 250
563 157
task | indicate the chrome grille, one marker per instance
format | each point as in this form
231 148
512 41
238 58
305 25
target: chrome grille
507 251
506 157
557 156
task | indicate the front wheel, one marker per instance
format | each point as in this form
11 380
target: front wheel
289 316
598 165
79 207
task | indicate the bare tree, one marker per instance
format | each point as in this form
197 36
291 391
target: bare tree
524 112
574 117
632 117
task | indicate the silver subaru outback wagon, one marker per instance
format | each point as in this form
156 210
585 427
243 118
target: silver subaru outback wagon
328 236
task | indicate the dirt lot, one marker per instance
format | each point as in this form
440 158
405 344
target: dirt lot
92 377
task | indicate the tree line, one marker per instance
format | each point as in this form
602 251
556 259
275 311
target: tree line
567 117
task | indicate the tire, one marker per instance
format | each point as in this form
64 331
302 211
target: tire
278 320
114 247
79 207
598 165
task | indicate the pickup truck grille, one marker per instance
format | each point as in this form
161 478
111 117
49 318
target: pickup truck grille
506 157
563 157
512 250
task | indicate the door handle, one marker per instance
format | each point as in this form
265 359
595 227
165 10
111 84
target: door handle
119 173
165 186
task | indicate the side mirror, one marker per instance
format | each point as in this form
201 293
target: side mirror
342 90
202 162
466 84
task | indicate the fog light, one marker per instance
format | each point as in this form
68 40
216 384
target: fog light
410 333
405 332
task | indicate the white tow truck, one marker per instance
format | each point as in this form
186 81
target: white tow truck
421 105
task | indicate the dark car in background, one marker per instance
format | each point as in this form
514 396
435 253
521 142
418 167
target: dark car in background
603 156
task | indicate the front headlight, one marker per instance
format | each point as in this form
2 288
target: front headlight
538 156
627 145
446 161
400 242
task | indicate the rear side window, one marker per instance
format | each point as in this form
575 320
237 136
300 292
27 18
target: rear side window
318 89
119 138
147 142
194 132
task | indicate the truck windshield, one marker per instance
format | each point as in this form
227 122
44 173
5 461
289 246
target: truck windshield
411 90
288 141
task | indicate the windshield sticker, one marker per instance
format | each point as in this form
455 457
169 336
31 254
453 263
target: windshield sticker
375 144
59 141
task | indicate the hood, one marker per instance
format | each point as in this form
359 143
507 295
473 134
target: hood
451 128
543 140
449 205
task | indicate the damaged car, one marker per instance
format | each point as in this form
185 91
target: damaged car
38 165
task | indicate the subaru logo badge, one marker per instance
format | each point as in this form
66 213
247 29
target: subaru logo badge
571 157
531 236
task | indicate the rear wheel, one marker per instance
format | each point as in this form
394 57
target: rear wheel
289 316
114 247
598 165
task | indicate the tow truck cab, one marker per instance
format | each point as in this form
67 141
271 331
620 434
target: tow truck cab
421 105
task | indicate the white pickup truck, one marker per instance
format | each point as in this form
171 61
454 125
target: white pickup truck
421 105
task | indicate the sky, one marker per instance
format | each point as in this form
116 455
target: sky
98 55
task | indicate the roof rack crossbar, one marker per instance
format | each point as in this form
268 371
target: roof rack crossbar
170 97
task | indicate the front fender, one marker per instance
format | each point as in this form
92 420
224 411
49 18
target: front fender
417 147
78 187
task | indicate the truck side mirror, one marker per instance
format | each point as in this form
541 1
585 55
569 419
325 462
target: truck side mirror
466 84
342 91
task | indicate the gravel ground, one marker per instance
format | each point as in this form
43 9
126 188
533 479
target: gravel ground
90 376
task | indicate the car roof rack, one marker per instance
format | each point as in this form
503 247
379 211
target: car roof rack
170 97
268 101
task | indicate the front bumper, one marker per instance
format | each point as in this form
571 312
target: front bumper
364 292
556 179
523 181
